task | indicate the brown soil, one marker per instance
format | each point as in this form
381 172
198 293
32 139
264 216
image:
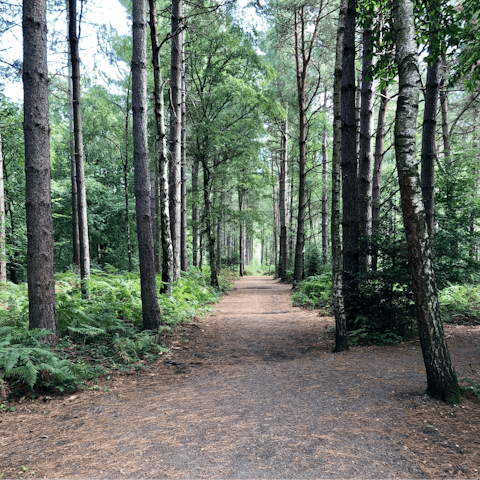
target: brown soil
253 391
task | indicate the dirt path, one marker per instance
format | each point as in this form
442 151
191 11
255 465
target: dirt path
253 391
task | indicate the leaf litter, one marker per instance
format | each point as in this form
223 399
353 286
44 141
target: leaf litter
256 393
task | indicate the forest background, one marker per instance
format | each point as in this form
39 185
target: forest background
249 179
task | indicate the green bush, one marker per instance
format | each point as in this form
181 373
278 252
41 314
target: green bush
313 261
315 292
460 303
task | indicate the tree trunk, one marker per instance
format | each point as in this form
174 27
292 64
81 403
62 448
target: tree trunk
150 308
275 225
441 378
183 227
209 226
301 72
38 203
349 169
283 203
165 232
341 334
125 182
429 150
3 251
175 138
73 167
447 149
195 212
365 161
77 126
324 197
377 173
241 239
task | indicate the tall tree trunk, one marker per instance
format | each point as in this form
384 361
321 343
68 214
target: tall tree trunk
283 203
150 308
209 225
183 227
275 224
195 235
175 138
241 239
429 150
3 250
377 173
349 169
441 378
78 133
324 196
38 203
125 181
73 167
301 72
158 90
447 149
291 234
365 160
341 334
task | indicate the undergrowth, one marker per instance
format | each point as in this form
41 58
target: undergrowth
315 292
97 335
460 304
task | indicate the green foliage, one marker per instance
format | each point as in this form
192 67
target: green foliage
456 210
313 261
99 334
473 387
315 292
368 333
25 359
460 303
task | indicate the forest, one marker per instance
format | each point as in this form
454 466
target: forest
332 144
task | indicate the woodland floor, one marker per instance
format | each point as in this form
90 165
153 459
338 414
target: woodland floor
252 390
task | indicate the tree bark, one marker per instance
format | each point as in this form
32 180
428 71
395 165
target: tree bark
349 169
3 250
377 173
429 149
158 90
241 239
365 160
283 203
441 378
195 234
73 167
209 226
150 308
38 203
275 224
447 149
324 196
175 137
125 181
183 226
78 134
341 334
301 72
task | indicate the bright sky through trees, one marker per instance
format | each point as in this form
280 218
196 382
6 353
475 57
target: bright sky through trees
111 13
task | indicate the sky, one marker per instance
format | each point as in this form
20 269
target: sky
110 13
